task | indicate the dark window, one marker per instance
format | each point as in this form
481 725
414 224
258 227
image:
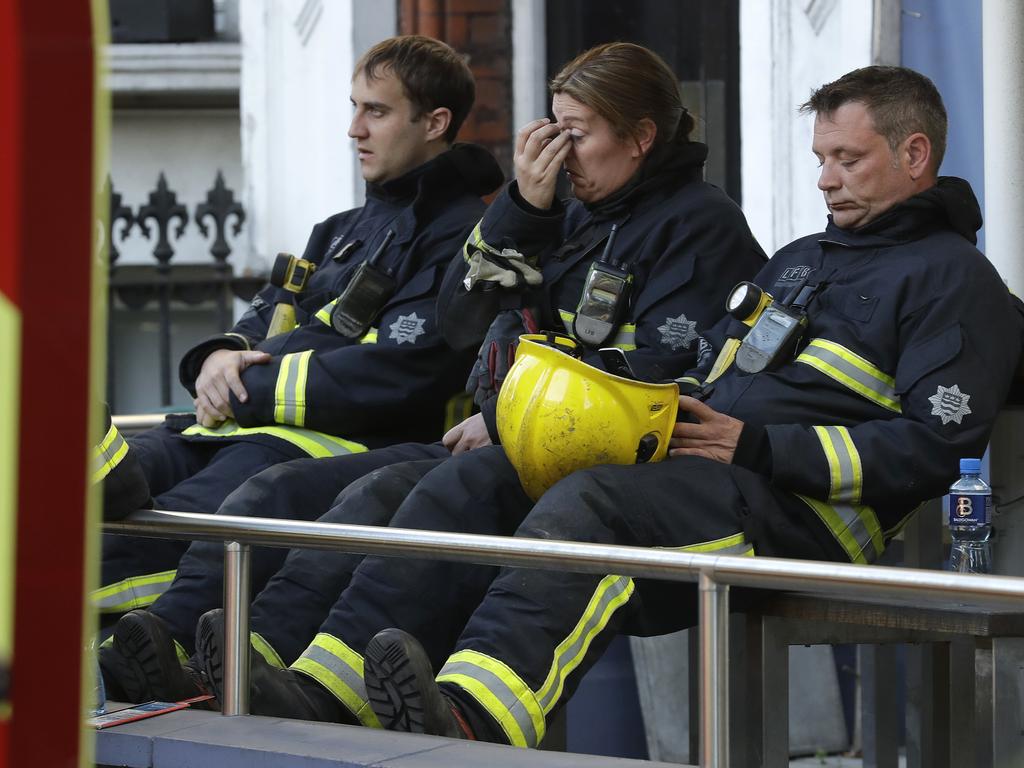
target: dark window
700 41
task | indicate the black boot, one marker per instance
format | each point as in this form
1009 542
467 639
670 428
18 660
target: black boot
402 691
149 667
273 692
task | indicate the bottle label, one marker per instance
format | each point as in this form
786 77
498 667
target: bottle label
970 509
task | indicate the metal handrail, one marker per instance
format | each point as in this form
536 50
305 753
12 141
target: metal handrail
136 422
715 573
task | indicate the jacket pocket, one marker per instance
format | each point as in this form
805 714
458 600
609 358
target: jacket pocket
851 304
926 356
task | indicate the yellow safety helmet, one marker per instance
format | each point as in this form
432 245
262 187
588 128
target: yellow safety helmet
557 414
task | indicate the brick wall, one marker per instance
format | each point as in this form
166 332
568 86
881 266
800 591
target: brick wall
480 29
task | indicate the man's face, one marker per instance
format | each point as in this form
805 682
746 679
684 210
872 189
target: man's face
861 177
390 138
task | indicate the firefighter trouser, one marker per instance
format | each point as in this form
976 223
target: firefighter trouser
475 492
536 633
303 489
310 581
187 476
531 635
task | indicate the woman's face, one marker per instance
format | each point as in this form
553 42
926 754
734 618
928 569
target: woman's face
599 162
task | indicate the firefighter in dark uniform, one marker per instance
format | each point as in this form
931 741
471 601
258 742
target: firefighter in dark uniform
813 443
681 244
364 365
116 466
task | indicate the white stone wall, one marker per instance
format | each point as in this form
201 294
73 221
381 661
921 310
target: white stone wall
299 165
788 48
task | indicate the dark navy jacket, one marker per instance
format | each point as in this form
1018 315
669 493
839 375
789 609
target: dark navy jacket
686 242
392 384
908 356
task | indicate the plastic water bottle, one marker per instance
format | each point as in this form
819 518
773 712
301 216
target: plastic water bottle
970 520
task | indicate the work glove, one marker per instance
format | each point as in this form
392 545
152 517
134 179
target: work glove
507 267
498 352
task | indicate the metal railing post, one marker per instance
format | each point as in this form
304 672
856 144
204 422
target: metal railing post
714 672
236 629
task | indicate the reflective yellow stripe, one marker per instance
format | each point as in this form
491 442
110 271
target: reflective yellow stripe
324 313
501 692
625 334
856 528
319 445
266 650
179 651
688 380
133 592
476 241
736 544
340 670
852 371
458 408
845 470
108 454
370 337
290 392
611 593
10 413
724 359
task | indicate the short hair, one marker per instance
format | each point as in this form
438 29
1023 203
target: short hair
432 75
899 100
625 83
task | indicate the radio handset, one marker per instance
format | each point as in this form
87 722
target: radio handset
604 298
364 296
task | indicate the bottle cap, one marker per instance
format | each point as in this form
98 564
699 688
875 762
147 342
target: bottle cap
972 466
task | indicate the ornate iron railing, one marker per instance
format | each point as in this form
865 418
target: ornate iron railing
164 219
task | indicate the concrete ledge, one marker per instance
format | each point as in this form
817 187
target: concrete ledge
189 738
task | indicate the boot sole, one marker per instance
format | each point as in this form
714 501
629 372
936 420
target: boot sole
401 689
209 641
138 637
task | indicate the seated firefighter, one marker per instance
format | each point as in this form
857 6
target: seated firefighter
814 443
623 132
364 364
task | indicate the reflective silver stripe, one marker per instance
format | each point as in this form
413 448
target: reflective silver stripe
133 592
292 402
500 690
855 527
852 370
845 469
109 454
595 617
337 667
